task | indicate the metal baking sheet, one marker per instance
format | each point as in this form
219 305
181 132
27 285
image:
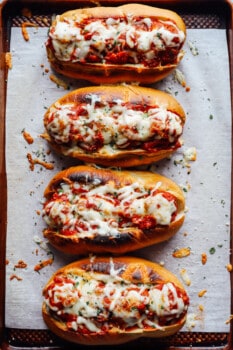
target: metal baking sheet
12 19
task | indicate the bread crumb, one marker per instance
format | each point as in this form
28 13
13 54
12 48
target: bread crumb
201 307
229 267
8 60
229 319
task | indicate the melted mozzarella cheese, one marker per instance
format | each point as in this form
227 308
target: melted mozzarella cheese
65 31
160 208
69 43
111 297
118 124
100 210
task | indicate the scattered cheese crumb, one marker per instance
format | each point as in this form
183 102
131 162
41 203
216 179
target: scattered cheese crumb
193 49
185 277
20 265
41 243
191 321
181 253
190 154
202 293
14 276
34 161
46 165
24 29
43 264
203 258
27 137
180 78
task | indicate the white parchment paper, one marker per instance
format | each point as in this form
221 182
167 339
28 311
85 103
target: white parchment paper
207 182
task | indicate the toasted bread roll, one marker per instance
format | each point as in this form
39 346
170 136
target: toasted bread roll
115 125
100 210
103 301
128 43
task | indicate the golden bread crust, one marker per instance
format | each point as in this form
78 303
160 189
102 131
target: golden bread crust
133 267
125 10
109 156
113 73
129 239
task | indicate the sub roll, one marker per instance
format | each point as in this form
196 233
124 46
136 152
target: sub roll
89 210
104 301
115 125
129 43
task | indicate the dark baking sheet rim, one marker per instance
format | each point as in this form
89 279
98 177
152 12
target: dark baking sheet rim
196 14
